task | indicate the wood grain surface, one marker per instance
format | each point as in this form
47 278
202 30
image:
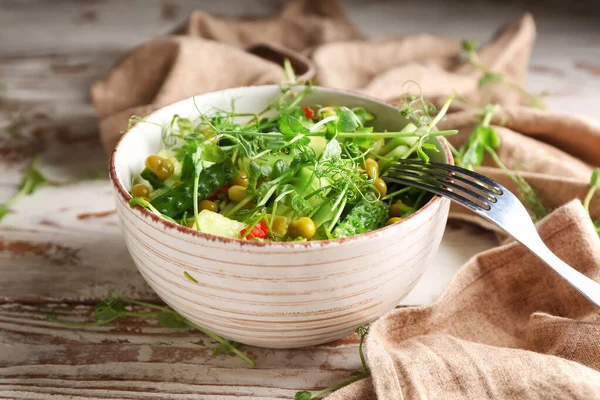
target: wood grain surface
61 250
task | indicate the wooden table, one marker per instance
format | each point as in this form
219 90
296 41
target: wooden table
61 250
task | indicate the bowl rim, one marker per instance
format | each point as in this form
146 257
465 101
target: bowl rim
126 196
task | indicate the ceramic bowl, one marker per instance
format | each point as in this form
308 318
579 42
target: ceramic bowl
278 295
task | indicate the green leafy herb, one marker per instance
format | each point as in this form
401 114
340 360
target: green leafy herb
332 151
363 115
358 375
485 140
109 309
290 125
31 181
482 138
226 348
187 167
139 201
152 179
114 307
533 204
347 120
594 186
185 126
280 167
469 46
363 330
170 319
424 128
491 77
303 395
180 198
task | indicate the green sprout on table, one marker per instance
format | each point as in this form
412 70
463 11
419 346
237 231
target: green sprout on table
594 186
31 181
362 330
115 307
490 77
484 139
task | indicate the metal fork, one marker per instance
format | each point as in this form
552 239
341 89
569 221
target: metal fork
495 203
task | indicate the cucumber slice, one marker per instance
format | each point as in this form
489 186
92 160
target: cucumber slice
217 224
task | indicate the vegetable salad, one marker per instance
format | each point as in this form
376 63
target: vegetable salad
289 173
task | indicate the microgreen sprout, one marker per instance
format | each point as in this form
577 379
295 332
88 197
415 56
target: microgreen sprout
485 140
594 186
357 376
492 77
115 307
31 181
290 75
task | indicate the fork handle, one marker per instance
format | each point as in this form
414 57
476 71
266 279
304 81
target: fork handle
586 286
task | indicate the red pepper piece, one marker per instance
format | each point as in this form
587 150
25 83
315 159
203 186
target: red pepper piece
309 112
260 231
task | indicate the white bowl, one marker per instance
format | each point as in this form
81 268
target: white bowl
270 294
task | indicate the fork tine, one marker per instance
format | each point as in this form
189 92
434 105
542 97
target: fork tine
445 174
497 189
445 184
437 190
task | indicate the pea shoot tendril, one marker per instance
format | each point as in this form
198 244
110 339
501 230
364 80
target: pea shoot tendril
115 307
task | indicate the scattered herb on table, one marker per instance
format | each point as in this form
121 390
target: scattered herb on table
114 307
484 139
295 171
594 186
357 376
31 181
492 78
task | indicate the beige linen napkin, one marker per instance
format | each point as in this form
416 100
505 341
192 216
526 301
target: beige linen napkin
506 327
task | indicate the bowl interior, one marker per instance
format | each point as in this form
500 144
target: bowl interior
145 138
